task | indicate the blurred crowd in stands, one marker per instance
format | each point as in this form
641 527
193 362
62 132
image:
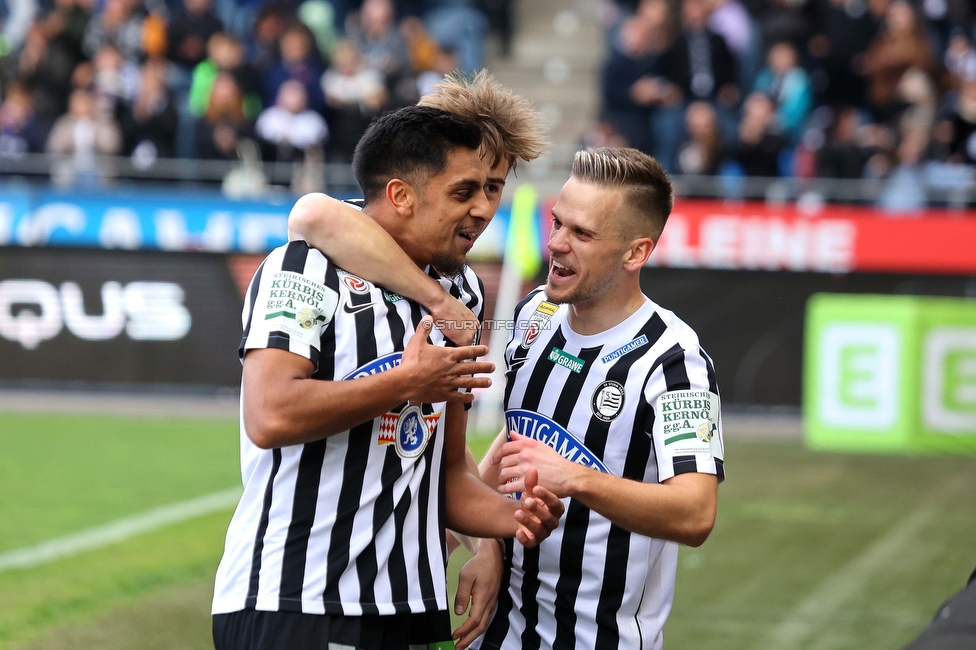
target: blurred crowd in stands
810 88
156 79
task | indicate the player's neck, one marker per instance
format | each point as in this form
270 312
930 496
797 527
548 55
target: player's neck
605 311
398 228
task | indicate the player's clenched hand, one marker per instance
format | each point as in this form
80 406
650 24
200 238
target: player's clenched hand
478 583
540 511
515 458
456 321
436 373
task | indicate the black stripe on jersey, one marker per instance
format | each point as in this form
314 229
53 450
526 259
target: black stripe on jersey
684 465
710 369
255 285
367 564
474 299
638 454
294 554
252 589
675 373
720 469
577 515
295 255
353 474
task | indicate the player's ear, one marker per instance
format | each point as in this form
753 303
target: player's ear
401 196
637 253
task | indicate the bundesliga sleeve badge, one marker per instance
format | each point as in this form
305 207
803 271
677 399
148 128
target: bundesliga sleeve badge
538 321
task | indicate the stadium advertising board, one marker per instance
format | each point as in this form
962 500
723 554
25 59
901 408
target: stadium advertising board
82 315
890 373
757 236
143 220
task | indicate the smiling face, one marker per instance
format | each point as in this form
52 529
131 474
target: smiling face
453 210
586 245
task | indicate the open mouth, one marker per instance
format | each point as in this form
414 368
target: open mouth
561 271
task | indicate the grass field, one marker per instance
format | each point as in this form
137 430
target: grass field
811 551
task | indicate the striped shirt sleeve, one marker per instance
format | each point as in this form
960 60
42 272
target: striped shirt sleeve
687 430
288 304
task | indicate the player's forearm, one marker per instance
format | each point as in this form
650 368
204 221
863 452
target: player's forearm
356 243
476 510
682 511
299 410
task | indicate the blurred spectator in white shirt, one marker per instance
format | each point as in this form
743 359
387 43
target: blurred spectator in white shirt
354 94
289 128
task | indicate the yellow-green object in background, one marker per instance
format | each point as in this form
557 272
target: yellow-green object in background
890 373
523 240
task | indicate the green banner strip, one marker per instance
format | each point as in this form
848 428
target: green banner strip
683 436
279 313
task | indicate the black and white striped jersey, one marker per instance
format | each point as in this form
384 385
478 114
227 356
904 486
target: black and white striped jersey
352 524
639 401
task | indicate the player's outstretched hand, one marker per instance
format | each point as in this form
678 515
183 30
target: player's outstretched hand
478 584
522 455
456 321
540 511
437 373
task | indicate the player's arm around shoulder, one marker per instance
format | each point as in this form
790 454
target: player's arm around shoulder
358 244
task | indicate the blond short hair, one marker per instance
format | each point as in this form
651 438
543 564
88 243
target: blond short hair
512 127
646 186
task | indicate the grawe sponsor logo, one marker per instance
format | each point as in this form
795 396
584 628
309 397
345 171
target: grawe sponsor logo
33 311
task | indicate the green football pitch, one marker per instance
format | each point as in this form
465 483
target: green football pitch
810 551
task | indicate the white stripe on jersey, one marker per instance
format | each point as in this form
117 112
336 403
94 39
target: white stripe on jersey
613 588
345 525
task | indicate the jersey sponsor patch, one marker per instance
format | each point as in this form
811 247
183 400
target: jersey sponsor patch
386 362
608 400
538 321
639 342
566 360
687 421
539 427
297 305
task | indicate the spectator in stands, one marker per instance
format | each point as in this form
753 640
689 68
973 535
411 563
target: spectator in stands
118 25
902 44
760 143
444 63
64 28
262 47
957 127
697 66
701 152
299 60
787 20
225 54
47 73
789 87
21 130
732 21
844 153
149 122
84 132
190 31
355 94
115 80
289 128
224 123
460 26
904 189
844 29
381 45
960 57
629 89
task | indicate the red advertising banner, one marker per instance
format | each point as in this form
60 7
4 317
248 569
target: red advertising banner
754 235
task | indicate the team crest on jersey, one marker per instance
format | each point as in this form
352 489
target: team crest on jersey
412 432
608 401
389 422
538 321
355 284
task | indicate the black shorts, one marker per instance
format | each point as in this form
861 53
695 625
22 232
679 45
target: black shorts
249 629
